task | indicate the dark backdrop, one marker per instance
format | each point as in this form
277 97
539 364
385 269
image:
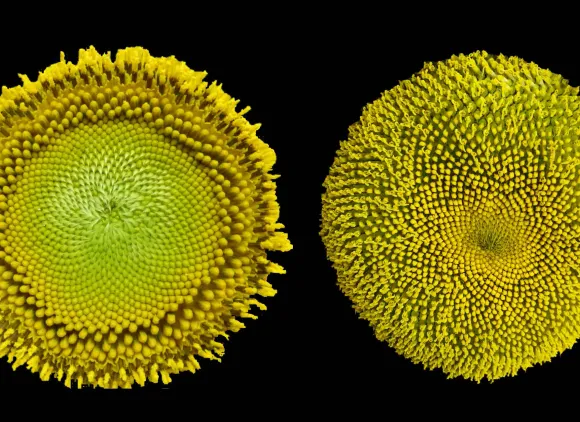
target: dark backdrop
306 80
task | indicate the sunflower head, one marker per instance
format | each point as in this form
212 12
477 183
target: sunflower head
136 210
451 216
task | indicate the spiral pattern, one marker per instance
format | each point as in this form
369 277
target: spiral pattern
451 216
136 211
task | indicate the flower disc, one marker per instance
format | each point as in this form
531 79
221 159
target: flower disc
451 216
136 211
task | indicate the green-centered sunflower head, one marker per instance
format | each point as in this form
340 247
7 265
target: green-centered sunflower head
451 216
136 211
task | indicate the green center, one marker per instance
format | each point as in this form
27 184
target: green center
115 215
492 235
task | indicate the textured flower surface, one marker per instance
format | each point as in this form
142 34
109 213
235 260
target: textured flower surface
451 216
136 210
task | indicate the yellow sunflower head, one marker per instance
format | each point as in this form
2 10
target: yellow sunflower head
451 216
136 210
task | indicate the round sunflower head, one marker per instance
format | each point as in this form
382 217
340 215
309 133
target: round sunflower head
451 216
136 210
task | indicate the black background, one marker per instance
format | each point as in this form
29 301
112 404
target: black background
306 79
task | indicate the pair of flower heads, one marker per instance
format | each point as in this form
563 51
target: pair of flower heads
138 206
